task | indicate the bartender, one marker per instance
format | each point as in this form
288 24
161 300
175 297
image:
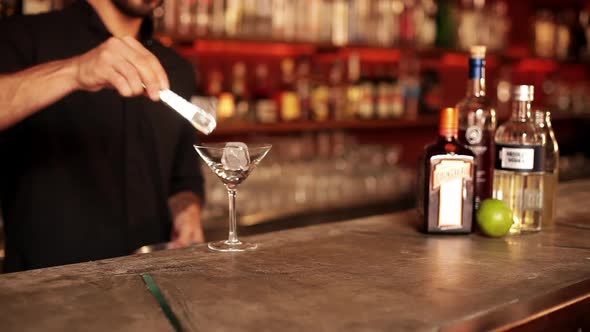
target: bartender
93 166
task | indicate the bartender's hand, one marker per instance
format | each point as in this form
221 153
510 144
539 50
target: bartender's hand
123 64
186 211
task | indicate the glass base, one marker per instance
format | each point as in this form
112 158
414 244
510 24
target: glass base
227 246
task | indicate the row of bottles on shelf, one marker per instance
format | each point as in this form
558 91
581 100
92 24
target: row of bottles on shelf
304 92
563 35
421 23
30 7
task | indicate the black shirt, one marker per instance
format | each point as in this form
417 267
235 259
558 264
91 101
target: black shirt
89 176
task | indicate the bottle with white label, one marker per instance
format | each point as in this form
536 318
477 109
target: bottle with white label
520 164
446 182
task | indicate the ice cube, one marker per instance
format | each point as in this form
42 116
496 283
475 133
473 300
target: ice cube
235 156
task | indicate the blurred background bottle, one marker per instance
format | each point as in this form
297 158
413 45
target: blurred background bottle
287 97
265 107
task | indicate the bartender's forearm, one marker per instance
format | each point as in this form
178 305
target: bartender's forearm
28 91
119 63
186 212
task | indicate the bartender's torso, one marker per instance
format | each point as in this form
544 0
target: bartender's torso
88 177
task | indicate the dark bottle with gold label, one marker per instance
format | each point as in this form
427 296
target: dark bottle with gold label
446 199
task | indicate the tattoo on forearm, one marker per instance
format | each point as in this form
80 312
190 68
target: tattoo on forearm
181 201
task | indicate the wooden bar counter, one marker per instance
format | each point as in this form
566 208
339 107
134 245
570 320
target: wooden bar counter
370 274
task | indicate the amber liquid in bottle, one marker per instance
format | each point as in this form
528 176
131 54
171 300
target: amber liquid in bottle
477 125
446 200
288 100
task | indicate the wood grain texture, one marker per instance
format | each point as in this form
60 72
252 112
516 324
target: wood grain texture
366 274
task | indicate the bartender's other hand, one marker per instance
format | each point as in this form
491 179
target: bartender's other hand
186 211
123 64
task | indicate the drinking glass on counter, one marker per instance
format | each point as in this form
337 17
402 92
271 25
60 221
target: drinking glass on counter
232 163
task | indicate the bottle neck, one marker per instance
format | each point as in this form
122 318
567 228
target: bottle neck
521 110
477 82
476 87
448 134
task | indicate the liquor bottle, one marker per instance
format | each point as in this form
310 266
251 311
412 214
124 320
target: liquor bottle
473 24
248 20
545 30
203 17
366 109
477 124
427 26
397 98
304 88
357 21
382 87
233 17
520 164
287 97
353 93
185 19
543 123
225 100
265 108
264 20
214 83
170 18
408 24
445 24
337 92
339 17
320 97
217 17
411 85
447 181
238 90
226 106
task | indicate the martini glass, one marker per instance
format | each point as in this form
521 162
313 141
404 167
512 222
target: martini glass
231 176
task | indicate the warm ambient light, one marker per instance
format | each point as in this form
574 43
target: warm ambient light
250 48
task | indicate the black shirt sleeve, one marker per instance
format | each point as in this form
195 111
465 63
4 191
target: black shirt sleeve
186 172
16 45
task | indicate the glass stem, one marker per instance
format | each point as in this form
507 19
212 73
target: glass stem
233 232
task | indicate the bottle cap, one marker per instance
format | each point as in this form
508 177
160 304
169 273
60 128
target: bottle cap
539 117
542 117
523 93
478 51
449 121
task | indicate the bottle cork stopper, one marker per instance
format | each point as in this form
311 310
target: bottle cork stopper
524 93
478 51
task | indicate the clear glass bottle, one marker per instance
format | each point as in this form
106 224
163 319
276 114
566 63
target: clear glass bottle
477 124
543 123
520 164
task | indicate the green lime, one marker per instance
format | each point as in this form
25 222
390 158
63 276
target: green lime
494 217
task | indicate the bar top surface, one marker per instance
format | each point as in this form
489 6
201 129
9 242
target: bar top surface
375 273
